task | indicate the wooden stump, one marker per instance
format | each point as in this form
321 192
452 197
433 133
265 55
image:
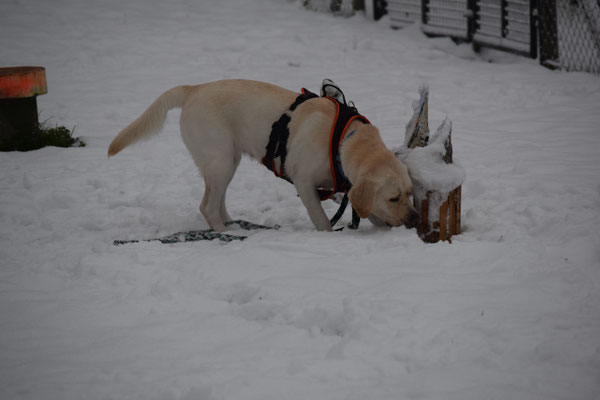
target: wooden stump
432 173
448 222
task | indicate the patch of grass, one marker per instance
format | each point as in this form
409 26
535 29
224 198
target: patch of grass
42 136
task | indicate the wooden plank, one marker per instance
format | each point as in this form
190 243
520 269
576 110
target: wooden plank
443 220
424 227
452 213
458 208
449 218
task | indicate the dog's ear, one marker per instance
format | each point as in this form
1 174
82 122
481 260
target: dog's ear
362 196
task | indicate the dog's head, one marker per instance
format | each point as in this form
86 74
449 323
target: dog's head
385 191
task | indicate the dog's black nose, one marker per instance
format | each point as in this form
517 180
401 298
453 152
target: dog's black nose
412 220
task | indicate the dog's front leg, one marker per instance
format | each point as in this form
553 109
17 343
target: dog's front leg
310 198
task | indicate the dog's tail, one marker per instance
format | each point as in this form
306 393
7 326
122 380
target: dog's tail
151 121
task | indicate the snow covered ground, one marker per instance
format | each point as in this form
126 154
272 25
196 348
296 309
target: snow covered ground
509 310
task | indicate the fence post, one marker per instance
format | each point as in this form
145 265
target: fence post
424 11
471 20
504 18
533 27
548 34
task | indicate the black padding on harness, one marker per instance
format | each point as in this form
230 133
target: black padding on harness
277 146
345 114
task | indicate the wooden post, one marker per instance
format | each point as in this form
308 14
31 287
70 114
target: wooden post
432 230
448 223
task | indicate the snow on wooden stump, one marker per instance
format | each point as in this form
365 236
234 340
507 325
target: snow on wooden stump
19 87
437 179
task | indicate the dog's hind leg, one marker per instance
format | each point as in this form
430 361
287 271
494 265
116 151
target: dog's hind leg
214 153
217 175
225 217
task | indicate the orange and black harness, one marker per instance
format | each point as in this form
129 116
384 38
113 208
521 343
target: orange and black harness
277 147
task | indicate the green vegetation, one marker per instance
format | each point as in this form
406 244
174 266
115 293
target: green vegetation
42 136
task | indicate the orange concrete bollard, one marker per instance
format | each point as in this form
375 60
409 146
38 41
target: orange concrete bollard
19 87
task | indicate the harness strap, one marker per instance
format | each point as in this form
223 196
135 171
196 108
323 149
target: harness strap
344 116
355 217
277 146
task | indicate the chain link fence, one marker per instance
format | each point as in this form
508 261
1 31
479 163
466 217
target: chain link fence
570 35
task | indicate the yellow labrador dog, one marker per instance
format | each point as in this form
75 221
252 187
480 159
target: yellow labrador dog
222 120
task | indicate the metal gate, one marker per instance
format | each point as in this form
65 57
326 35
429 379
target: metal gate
447 18
403 12
507 25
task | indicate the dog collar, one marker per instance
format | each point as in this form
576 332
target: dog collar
338 159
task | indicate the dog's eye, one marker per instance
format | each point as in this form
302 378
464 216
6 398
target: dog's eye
395 199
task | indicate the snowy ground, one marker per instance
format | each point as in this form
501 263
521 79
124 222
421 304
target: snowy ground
509 310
